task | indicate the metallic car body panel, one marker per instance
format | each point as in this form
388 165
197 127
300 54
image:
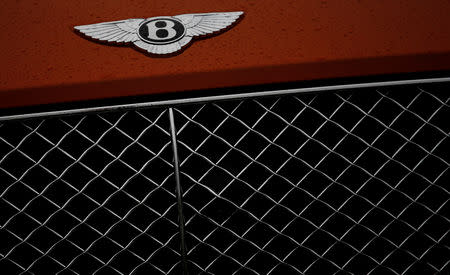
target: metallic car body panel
44 61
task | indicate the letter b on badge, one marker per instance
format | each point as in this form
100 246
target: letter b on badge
161 30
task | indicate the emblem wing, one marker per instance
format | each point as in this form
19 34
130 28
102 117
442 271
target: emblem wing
115 31
206 23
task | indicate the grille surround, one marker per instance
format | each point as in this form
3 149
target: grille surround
213 243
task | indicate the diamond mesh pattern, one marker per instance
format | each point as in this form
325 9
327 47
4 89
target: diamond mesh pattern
318 184
88 195
334 183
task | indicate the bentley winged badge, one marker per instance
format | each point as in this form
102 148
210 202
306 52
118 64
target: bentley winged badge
162 34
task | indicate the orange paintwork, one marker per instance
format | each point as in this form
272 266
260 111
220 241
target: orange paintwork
44 61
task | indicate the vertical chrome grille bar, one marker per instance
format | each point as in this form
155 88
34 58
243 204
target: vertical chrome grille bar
179 191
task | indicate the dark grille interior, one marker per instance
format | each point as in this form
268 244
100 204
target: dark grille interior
347 182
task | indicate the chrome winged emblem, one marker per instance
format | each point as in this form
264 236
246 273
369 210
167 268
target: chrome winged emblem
162 34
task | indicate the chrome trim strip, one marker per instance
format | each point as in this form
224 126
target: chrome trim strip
223 97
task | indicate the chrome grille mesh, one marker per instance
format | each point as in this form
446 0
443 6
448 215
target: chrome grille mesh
88 194
345 182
